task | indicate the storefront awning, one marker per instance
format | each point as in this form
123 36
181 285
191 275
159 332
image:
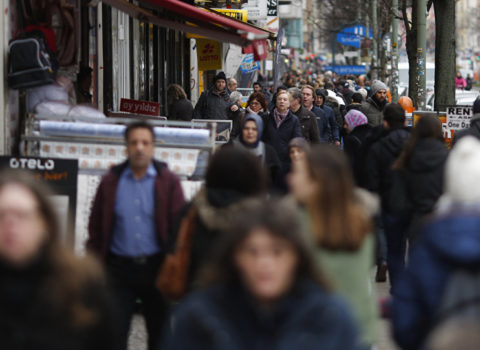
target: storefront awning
177 15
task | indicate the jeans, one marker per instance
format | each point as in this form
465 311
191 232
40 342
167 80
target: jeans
395 233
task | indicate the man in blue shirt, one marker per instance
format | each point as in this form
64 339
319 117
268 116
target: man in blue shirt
131 226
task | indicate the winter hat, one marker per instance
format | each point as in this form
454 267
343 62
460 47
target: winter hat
299 142
462 172
220 75
355 118
364 93
378 85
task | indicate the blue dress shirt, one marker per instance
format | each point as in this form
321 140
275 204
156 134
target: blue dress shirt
134 233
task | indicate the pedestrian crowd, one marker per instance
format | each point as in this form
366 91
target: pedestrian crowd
319 182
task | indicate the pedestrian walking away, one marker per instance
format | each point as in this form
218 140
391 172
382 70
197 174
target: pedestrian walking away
131 226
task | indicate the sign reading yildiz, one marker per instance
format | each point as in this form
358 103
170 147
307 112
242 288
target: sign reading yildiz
208 54
139 107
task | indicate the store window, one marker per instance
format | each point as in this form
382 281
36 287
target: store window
145 59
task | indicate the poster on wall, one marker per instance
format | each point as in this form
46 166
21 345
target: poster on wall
209 54
61 176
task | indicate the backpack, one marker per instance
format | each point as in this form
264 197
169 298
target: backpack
461 297
30 62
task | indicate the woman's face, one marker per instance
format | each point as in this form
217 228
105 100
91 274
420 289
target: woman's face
250 132
296 154
302 186
255 106
22 230
283 102
267 265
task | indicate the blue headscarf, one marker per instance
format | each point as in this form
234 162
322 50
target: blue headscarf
258 120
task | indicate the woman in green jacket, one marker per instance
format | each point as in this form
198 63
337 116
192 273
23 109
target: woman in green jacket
339 222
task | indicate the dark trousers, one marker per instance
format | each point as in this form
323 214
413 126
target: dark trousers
395 233
130 281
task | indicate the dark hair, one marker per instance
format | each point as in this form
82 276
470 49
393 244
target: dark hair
428 127
257 83
260 97
281 87
174 93
357 97
281 221
235 170
394 115
339 221
328 85
67 276
140 124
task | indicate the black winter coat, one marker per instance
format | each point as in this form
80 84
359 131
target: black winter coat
213 105
225 317
308 123
32 318
380 159
180 110
279 138
353 146
425 174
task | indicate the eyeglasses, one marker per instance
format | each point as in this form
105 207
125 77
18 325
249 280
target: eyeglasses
254 103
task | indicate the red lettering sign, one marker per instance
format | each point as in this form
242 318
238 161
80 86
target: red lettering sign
139 107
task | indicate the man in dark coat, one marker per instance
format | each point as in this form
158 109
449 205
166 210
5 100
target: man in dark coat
308 102
308 120
375 104
130 229
381 156
215 103
320 101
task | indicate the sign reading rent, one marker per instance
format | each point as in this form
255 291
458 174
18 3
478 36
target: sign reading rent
458 117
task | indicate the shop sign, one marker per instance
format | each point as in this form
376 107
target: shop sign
240 15
140 107
60 175
458 117
208 55
257 9
248 64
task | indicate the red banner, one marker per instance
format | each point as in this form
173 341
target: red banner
139 107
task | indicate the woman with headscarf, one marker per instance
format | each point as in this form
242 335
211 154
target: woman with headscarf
250 139
357 129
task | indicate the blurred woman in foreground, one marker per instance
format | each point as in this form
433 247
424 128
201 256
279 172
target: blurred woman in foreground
49 299
340 228
263 292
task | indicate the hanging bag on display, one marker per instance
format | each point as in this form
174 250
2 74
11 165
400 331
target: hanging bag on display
30 62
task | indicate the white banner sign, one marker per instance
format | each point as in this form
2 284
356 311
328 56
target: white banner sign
458 117
257 9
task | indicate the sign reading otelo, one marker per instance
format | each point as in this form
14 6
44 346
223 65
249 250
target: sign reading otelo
208 54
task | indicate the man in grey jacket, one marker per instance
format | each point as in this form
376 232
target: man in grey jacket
374 105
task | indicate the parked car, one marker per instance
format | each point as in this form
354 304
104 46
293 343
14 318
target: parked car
462 98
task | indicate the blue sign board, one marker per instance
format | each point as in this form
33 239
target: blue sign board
248 65
352 36
347 70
